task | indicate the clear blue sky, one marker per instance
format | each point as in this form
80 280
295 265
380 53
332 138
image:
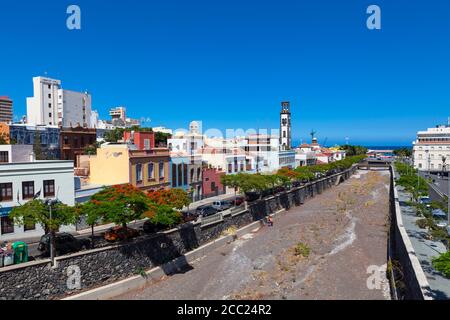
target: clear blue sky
230 63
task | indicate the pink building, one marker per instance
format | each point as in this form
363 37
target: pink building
211 182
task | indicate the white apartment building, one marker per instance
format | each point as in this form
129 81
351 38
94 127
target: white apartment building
265 149
432 149
21 181
53 106
74 109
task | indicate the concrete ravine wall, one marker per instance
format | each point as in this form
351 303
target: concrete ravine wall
99 267
415 283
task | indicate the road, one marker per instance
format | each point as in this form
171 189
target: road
345 229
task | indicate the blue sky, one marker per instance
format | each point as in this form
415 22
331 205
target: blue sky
230 63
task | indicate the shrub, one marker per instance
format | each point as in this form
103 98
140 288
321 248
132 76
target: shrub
302 250
422 223
442 264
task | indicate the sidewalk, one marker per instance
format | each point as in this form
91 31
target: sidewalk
425 249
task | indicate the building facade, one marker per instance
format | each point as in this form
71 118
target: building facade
211 184
120 164
432 149
20 182
14 153
74 109
143 140
23 134
74 141
187 174
6 109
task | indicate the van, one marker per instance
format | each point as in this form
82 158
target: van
221 205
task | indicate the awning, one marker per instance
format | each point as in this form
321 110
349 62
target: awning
4 212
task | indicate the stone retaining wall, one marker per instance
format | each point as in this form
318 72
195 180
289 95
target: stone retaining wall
98 267
414 283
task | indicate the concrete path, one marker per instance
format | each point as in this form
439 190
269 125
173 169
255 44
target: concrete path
345 230
425 249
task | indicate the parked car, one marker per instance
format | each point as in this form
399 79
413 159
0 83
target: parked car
222 205
120 233
425 201
65 243
206 211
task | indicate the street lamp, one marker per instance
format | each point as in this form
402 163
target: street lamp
50 203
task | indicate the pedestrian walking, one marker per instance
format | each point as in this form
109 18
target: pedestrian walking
270 221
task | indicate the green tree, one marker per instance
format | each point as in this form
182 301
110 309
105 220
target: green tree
37 147
38 212
94 212
114 135
161 138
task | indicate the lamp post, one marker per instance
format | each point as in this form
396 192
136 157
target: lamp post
50 203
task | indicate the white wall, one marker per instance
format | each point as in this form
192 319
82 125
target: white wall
60 171
70 105
42 109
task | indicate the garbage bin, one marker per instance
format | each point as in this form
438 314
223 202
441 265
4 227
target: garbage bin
8 258
20 252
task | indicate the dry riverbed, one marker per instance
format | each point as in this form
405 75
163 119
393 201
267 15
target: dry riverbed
321 250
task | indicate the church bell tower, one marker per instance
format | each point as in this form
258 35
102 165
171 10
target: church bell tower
285 127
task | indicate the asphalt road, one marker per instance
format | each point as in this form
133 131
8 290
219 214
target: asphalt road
345 230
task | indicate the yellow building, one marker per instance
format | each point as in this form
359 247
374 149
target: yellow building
120 164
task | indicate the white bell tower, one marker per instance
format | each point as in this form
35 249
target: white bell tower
285 126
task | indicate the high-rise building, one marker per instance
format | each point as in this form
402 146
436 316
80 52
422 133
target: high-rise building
6 112
53 106
285 126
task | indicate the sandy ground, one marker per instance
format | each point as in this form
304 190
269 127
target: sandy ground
344 229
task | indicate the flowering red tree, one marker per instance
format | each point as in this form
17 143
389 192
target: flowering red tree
122 204
174 198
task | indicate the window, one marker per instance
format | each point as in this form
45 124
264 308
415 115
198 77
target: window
66 140
6 192
4 157
151 171
185 174
27 190
230 168
49 105
174 175
139 173
147 144
49 95
161 170
7 225
49 86
199 174
49 188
